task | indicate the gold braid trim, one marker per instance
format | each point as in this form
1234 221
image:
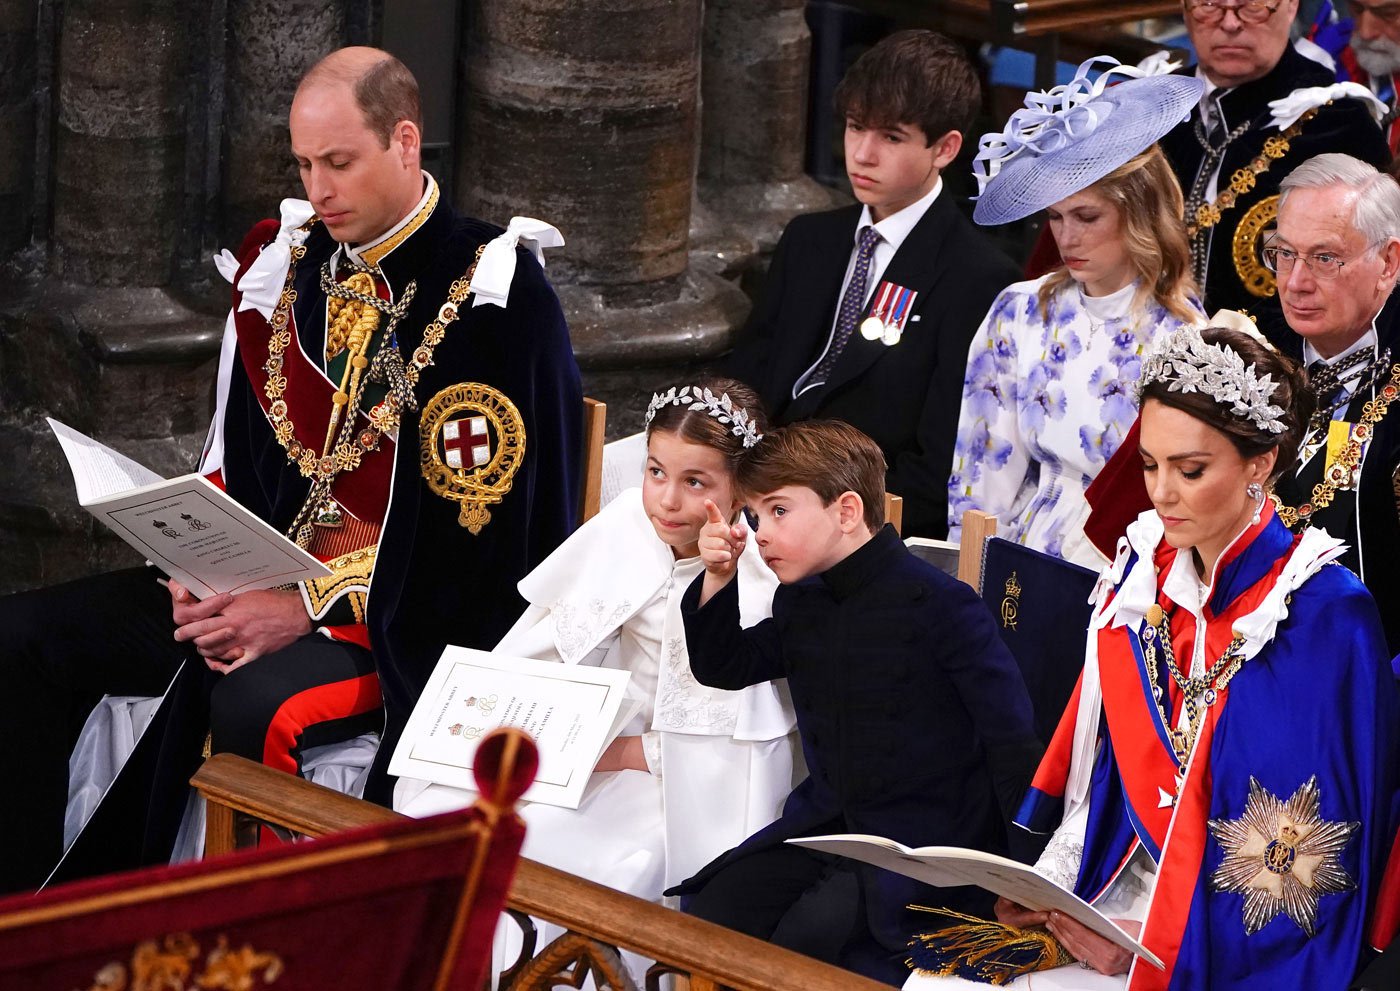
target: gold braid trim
350 576
350 321
1244 179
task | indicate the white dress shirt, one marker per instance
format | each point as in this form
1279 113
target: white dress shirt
894 230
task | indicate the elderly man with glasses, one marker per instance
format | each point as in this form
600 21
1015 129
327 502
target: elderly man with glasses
1336 254
1266 109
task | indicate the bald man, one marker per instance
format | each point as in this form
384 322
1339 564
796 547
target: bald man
397 394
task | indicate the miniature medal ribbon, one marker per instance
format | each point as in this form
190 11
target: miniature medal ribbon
262 284
1057 117
1288 109
496 269
888 314
1188 364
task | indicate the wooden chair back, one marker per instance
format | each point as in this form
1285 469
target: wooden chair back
894 511
595 416
406 904
977 526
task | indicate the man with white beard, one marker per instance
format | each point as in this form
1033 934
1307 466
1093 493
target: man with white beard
1375 43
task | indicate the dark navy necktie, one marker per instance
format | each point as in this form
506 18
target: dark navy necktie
852 304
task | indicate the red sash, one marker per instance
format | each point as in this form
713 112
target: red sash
1147 764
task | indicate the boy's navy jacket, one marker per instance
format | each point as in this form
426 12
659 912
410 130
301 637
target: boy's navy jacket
914 718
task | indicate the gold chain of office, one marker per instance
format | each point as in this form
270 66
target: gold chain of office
346 453
1245 178
1344 467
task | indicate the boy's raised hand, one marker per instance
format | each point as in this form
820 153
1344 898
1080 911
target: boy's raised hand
720 547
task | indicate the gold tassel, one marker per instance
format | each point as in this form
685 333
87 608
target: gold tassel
983 951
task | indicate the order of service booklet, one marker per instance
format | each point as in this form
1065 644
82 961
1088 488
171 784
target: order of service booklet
187 527
951 867
571 711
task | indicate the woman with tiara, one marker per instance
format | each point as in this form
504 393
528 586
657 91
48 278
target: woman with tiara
1048 395
1221 782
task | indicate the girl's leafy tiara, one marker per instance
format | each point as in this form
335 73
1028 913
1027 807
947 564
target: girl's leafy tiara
721 407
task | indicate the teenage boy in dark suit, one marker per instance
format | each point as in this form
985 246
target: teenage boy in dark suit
868 310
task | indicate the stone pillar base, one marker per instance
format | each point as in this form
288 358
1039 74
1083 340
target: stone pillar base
629 352
131 367
753 216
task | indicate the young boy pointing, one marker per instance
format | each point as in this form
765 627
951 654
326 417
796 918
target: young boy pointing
914 719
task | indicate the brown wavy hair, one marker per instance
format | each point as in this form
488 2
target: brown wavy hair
1293 395
829 457
1150 205
915 77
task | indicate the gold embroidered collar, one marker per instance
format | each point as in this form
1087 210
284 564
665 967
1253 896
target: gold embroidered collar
373 253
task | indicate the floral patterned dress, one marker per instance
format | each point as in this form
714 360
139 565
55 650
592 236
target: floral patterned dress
1046 401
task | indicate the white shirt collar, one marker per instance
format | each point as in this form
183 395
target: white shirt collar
1368 339
896 227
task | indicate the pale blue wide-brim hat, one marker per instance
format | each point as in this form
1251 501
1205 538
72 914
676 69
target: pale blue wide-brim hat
1068 138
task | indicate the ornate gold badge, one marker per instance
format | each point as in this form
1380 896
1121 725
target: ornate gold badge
1247 248
1282 856
473 440
1011 605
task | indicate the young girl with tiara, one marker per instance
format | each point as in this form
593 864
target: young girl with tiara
699 769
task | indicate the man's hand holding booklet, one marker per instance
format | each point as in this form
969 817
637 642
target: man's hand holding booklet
187 527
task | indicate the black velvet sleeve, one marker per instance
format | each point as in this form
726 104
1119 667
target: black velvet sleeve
722 654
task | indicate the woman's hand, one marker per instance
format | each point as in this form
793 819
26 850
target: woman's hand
1089 947
1008 913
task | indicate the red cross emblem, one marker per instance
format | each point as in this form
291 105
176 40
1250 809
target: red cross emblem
466 442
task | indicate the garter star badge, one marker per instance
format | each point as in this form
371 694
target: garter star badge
473 440
1282 856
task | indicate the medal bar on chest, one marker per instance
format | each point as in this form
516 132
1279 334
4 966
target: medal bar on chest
888 314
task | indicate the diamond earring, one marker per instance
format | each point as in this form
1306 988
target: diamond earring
1256 492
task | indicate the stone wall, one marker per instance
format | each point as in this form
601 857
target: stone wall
662 136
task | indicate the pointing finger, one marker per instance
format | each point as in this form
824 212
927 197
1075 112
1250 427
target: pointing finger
712 511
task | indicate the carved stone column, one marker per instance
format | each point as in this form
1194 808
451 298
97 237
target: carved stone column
119 168
271 44
17 108
100 339
585 113
753 124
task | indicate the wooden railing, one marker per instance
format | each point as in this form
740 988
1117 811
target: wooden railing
242 794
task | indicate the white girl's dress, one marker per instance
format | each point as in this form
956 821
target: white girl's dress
1046 402
721 762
